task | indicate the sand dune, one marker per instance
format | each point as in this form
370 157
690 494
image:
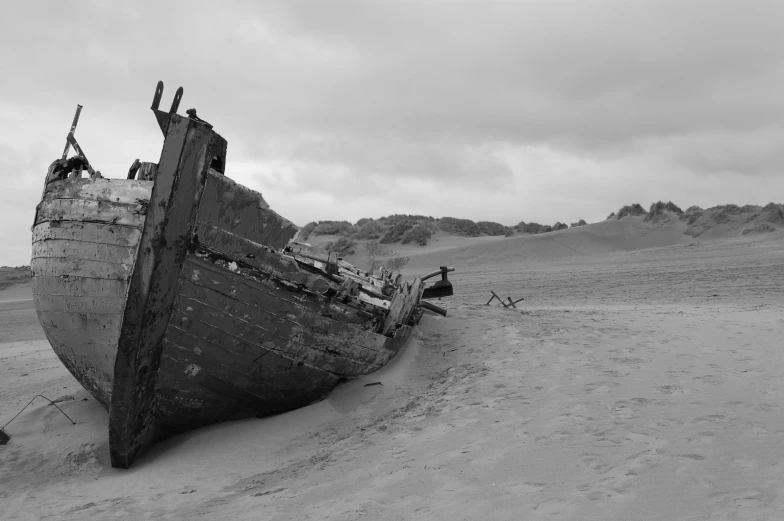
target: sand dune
642 378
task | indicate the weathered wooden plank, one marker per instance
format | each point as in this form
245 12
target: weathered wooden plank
80 321
269 296
94 211
241 211
295 343
269 302
189 148
84 251
183 403
83 304
282 373
99 233
252 253
91 342
64 266
91 371
121 191
403 303
78 286
262 380
258 364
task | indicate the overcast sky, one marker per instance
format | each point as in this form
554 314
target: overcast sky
531 110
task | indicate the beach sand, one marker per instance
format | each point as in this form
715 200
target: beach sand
638 380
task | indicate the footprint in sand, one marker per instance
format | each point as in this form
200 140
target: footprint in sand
702 438
599 387
617 484
715 419
527 488
745 464
595 463
553 509
757 430
691 457
628 360
673 390
612 373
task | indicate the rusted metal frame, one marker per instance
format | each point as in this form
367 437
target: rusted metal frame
164 118
72 140
443 270
73 129
432 307
163 246
496 297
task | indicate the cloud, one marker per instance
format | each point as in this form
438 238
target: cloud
329 105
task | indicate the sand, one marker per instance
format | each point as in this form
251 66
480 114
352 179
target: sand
639 380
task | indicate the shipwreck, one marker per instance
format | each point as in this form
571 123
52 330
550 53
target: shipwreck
179 299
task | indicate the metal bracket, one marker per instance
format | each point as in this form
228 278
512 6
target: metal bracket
441 288
164 117
73 129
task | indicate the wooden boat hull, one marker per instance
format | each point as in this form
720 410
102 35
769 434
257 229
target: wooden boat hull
171 302
85 239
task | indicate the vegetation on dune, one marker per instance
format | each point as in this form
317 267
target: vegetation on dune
10 275
421 229
342 246
464 227
660 210
491 228
381 256
630 210
414 229
419 234
752 218
398 228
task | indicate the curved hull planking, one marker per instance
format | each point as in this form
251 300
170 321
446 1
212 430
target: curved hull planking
85 237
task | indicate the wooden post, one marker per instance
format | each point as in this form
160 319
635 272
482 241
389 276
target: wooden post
188 150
